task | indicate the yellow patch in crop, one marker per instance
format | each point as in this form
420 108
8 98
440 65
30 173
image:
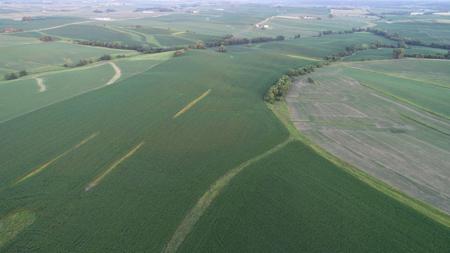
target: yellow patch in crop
100 177
191 104
45 165
14 223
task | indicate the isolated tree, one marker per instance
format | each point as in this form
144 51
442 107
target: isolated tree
398 53
310 80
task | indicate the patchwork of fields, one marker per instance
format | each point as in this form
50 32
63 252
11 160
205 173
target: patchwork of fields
156 153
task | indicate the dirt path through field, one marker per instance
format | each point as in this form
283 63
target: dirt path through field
60 26
40 84
45 165
189 221
117 75
191 104
100 177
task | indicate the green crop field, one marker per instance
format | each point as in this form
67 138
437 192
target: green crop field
321 46
36 57
295 201
25 95
164 150
423 94
38 23
94 33
428 32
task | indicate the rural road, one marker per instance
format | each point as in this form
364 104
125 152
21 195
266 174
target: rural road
59 26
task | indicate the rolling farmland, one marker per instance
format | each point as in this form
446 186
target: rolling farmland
173 146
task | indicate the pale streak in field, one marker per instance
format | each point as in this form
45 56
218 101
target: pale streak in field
191 104
189 221
41 85
117 74
100 177
45 165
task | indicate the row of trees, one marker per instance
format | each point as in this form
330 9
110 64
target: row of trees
231 40
12 76
117 45
277 91
84 62
430 56
220 44
403 42
349 50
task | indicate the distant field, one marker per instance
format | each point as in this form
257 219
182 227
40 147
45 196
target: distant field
428 32
321 46
293 24
26 95
39 23
386 53
381 117
94 33
43 56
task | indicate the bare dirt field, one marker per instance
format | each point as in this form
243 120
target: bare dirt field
400 144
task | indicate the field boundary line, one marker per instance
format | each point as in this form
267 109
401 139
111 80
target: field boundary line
45 165
191 104
114 165
192 217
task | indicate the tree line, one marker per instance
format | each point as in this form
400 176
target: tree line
230 40
391 36
278 91
227 40
12 76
